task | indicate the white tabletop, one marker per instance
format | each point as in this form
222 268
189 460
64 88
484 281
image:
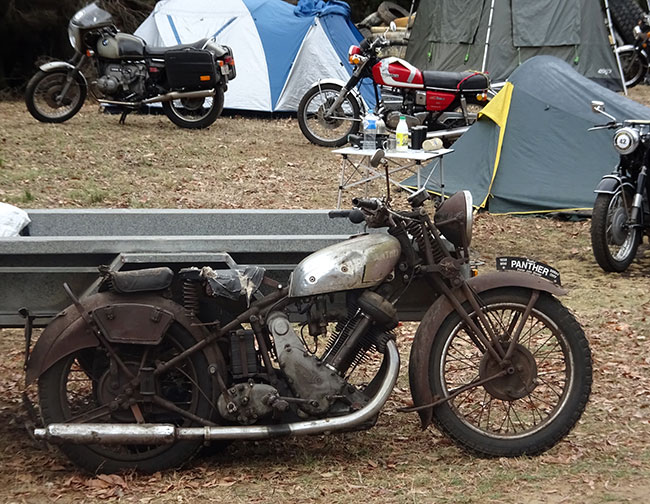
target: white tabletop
416 155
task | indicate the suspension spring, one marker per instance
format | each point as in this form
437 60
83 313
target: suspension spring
191 294
417 231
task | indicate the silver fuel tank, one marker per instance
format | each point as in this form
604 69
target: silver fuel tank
360 262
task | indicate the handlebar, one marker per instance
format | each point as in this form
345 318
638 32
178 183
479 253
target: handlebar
356 216
609 125
369 203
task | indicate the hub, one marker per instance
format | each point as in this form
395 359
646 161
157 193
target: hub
521 379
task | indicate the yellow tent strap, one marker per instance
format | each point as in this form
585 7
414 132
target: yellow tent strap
497 110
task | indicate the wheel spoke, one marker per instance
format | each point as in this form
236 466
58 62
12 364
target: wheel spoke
532 405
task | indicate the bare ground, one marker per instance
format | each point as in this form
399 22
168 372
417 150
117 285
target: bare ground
240 162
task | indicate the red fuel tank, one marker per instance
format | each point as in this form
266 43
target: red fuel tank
397 72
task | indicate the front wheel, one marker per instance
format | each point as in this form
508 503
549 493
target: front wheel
634 65
328 130
536 404
44 98
195 113
613 240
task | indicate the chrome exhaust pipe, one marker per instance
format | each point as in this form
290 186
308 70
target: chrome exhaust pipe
174 95
450 133
177 95
166 433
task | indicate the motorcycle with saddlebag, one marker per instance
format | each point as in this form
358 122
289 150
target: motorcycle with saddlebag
156 364
188 80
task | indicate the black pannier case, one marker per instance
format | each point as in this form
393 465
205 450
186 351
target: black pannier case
190 69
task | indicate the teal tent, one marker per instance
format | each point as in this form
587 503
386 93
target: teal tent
530 151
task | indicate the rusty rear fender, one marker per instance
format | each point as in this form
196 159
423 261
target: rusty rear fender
68 332
440 310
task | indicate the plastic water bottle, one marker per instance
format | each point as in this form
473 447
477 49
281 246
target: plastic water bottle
370 130
402 135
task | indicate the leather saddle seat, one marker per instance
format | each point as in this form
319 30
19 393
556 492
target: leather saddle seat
159 52
144 280
455 81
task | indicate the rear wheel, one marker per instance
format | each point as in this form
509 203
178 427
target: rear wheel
332 130
43 95
625 16
195 113
613 240
634 65
536 404
86 387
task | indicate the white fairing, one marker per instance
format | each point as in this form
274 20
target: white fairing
360 262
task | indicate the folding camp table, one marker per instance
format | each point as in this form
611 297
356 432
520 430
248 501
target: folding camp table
356 168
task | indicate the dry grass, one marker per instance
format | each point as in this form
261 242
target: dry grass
92 161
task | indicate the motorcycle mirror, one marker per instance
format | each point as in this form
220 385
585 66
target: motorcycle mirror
597 106
376 158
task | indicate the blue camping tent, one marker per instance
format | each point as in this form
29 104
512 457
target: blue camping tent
280 50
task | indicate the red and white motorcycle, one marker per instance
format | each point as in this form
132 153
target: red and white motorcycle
446 102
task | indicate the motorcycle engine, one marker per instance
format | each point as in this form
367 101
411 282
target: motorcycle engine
392 118
122 81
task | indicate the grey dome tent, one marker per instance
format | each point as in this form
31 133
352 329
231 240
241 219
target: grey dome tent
530 151
496 36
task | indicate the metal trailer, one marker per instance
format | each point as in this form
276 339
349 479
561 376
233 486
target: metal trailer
63 245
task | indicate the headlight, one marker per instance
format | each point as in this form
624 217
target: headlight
455 218
626 140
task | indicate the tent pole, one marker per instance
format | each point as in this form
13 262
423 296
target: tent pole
611 34
487 38
408 24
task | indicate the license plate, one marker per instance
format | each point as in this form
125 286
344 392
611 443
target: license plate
529 266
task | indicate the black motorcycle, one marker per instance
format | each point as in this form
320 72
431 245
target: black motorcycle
188 80
621 214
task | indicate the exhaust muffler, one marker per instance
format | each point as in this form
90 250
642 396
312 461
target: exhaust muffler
60 433
448 134
173 95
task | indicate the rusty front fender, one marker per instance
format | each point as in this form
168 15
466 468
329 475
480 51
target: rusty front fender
436 315
68 332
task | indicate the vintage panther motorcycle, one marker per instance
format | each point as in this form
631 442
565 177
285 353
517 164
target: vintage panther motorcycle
188 80
446 102
154 365
621 214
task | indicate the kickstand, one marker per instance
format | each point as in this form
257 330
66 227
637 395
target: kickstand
123 116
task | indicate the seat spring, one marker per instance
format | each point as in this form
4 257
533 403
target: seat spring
191 295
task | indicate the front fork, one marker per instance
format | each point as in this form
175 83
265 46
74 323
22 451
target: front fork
636 212
345 90
70 77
